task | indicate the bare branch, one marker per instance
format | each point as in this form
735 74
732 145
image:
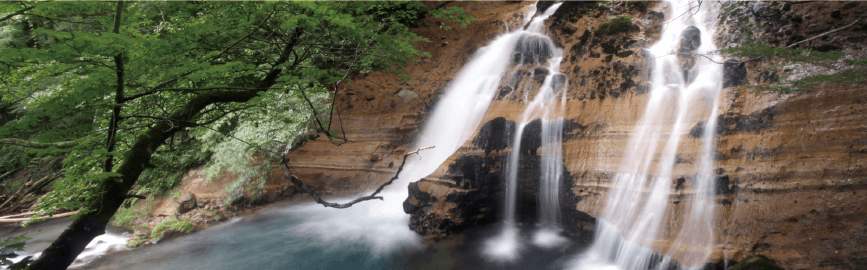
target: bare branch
829 32
373 196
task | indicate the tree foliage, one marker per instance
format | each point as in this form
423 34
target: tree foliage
135 92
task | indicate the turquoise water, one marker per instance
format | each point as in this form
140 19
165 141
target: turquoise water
272 240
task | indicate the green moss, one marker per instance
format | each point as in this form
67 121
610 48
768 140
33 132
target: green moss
780 57
171 225
126 217
640 5
614 26
137 241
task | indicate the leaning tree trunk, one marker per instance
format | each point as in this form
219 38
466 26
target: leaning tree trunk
75 238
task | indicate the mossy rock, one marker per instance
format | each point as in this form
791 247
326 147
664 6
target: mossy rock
171 228
757 262
614 26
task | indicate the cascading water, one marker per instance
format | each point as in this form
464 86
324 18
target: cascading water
454 119
532 50
636 217
373 235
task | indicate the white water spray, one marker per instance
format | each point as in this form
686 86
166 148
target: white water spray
382 225
533 48
636 217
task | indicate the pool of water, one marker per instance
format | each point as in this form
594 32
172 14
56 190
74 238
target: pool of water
295 237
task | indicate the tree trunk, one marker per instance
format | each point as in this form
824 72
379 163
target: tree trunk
75 238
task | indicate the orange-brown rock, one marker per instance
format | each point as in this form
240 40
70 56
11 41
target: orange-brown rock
790 168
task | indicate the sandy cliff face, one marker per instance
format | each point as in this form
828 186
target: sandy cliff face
789 167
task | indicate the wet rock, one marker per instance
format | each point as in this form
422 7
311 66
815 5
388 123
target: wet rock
541 6
445 44
610 47
757 262
495 135
690 39
516 58
572 10
818 26
416 199
698 130
731 123
658 15
539 74
797 19
725 185
827 48
558 82
8 253
186 202
734 73
534 48
270 196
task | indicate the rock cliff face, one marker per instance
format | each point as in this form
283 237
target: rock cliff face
380 113
790 168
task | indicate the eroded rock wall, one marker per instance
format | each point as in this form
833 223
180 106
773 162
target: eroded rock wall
380 113
790 175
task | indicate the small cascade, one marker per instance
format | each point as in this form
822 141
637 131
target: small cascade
637 215
534 61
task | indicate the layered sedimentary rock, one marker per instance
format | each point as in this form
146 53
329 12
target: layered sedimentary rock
381 113
790 168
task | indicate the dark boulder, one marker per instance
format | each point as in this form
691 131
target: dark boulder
734 73
690 39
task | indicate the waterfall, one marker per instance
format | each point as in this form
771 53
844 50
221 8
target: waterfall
382 225
636 215
532 50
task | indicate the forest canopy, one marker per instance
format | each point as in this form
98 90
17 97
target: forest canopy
128 95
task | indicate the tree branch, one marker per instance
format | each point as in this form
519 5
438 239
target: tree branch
244 37
829 32
185 90
316 116
16 13
298 183
136 196
111 138
38 145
